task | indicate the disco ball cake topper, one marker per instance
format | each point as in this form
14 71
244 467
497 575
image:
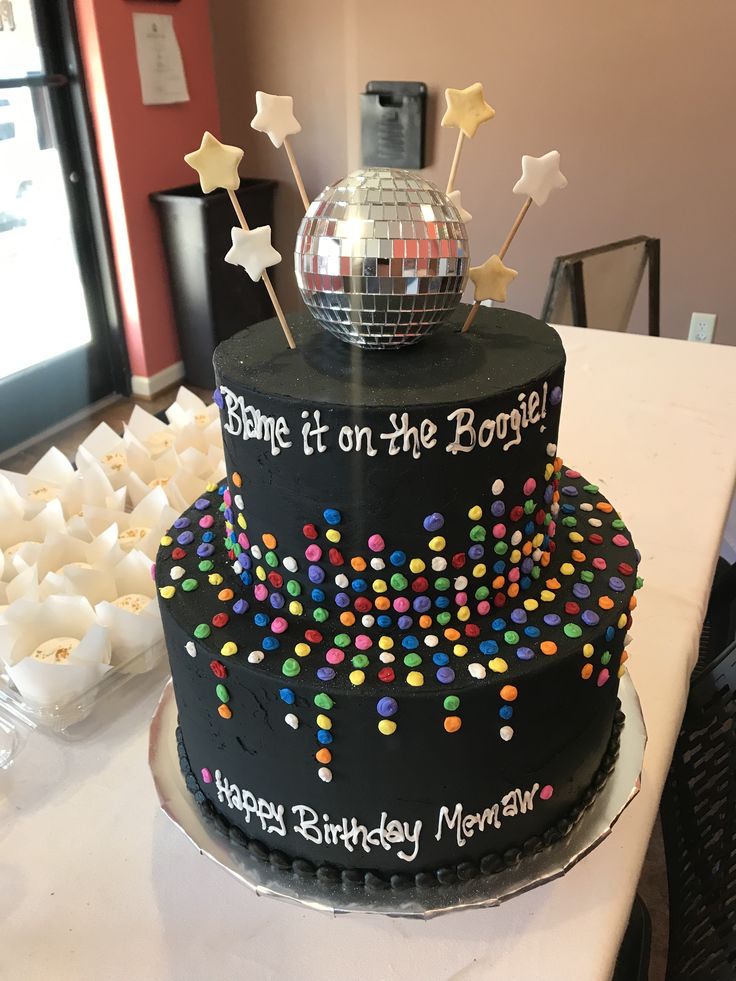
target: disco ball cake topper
381 256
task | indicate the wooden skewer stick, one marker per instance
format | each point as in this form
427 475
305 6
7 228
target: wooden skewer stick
473 313
455 162
297 173
266 278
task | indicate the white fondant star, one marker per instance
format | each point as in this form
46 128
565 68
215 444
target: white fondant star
253 251
275 117
465 216
216 163
540 176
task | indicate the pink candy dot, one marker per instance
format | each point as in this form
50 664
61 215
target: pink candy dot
498 530
514 574
279 625
530 486
546 792
313 553
376 543
260 592
551 528
206 775
363 642
599 563
207 521
153 571
620 540
461 599
572 474
603 677
227 498
335 655
401 604
243 540
483 608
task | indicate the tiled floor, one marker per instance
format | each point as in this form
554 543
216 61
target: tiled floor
653 884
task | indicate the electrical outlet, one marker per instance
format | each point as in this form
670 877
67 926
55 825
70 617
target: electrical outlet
702 327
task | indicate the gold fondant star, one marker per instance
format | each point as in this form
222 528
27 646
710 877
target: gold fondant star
216 163
491 280
467 109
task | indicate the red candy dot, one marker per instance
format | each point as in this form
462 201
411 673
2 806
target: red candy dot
220 619
595 538
309 531
625 569
312 636
472 629
516 513
540 516
499 599
572 608
218 670
363 604
276 579
458 560
335 556
420 585
177 554
386 675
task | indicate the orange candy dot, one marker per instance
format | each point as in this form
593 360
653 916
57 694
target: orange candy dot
225 594
498 583
577 556
453 723
605 603
323 755
224 711
513 589
633 602
604 506
553 584
382 602
624 657
347 619
587 671
508 693
544 561
268 540
452 634
358 563
526 548
548 647
425 622
237 479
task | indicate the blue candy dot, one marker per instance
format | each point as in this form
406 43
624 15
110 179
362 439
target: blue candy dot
506 711
440 659
269 644
318 595
383 620
324 737
260 620
332 516
287 695
489 647
397 558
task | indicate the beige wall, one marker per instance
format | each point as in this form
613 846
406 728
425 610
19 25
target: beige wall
637 96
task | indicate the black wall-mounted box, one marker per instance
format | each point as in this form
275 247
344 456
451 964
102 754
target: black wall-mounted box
392 118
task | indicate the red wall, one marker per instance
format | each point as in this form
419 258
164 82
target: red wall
141 150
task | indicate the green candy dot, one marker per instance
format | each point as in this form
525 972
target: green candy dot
206 565
360 661
528 507
536 572
189 585
290 667
451 703
511 637
618 524
442 583
639 582
323 701
586 575
398 581
443 618
342 640
293 588
237 549
569 521
229 542
222 507
320 614
482 592
222 693
591 488
547 518
272 559
605 657
202 630
412 660
500 548
572 630
477 533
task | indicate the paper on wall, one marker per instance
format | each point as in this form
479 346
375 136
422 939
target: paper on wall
160 65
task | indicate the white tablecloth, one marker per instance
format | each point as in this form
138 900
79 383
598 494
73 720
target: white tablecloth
96 883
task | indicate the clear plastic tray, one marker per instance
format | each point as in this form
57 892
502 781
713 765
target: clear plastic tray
79 716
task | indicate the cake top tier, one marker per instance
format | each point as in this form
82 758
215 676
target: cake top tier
506 352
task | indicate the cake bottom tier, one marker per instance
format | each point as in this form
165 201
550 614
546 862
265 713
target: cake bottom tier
474 773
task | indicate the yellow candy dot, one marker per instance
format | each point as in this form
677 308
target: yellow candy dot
459 650
588 650
546 596
229 648
479 570
537 540
167 591
416 565
576 537
515 556
415 679
241 521
385 643
530 604
548 471
453 723
301 650
498 665
621 671
214 579
295 608
356 677
324 721
621 622
587 671
475 513
261 573
567 568
437 543
463 613
166 540
211 487
379 586
387 727
333 535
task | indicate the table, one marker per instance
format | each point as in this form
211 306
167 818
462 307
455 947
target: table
96 883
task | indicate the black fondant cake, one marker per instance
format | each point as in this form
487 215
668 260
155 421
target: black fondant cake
396 632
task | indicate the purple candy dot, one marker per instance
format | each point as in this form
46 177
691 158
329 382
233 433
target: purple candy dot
527 565
555 396
186 538
445 676
476 552
217 398
201 504
551 619
182 522
580 590
519 616
240 606
245 560
387 707
228 514
205 550
548 494
616 584
433 522
342 599
404 623
325 674
316 575
590 618
498 508
421 604
524 653
570 491
276 600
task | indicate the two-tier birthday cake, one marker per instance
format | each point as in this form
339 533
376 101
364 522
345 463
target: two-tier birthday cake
396 630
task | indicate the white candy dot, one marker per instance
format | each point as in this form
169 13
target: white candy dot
439 564
431 640
386 657
291 720
341 581
325 773
596 522
551 449
516 537
497 486
477 671
290 564
177 572
554 509
461 582
238 502
377 563
255 551
255 657
368 620
237 568
506 732
537 554
586 506
191 648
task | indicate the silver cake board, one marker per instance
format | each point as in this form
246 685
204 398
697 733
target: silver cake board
594 827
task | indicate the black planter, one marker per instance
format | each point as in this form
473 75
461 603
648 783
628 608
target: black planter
212 299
